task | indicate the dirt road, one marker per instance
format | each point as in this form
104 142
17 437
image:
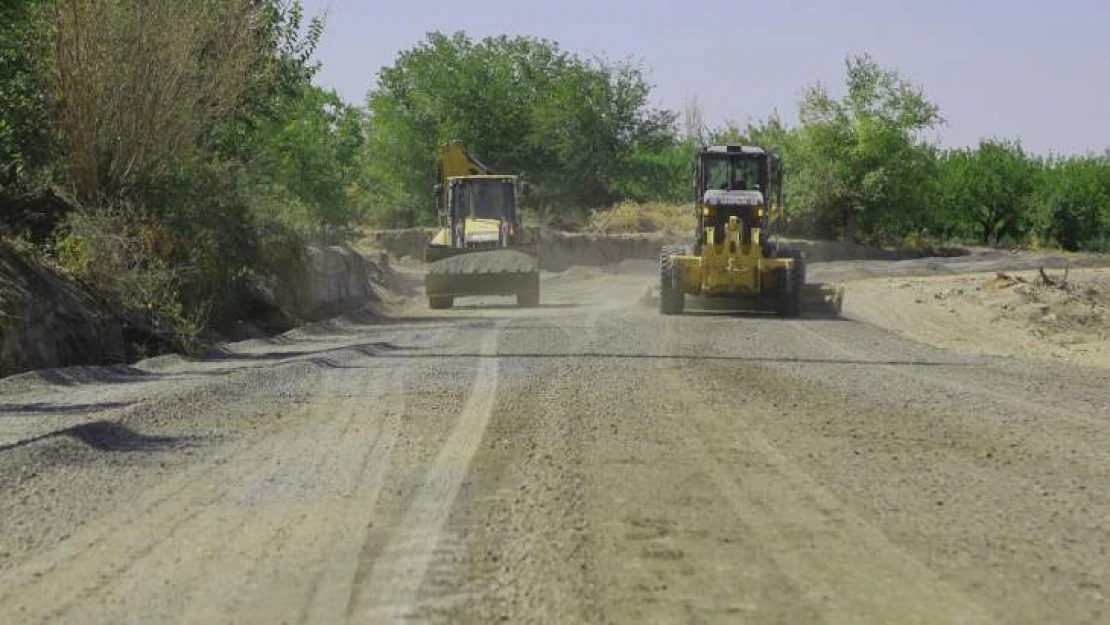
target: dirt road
587 461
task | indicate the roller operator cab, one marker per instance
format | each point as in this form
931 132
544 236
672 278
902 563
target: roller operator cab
738 199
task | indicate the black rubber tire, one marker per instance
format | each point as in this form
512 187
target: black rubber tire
799 263
785 293
440 302
529 298
671 300
795 300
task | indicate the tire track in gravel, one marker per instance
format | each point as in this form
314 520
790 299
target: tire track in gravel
521 526
845 567
84 563
918 374
398 573
255 534
236 538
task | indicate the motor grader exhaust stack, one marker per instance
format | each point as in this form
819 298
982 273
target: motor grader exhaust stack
482 247
736 257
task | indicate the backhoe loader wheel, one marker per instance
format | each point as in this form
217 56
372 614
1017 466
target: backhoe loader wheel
671 299
529 298
440 302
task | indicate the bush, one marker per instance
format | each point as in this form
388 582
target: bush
634 217
120 256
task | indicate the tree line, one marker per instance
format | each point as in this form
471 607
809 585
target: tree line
192 147
859 166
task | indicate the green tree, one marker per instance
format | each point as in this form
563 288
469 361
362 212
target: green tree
573 128
25 141
307 159
986 192
860 162
1075 195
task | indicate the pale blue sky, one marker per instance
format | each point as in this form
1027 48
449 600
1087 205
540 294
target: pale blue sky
1038 71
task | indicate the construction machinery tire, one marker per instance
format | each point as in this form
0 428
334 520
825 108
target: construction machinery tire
788 294
799 263
530 297
440 302
672 300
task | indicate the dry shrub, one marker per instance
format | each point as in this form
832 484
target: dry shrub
137 83
635 217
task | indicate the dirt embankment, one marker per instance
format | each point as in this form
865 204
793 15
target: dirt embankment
47 320
322 282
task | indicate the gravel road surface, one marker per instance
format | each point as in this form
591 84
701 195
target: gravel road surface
587 461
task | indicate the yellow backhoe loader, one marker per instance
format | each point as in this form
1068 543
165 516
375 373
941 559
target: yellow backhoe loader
482 247
738 198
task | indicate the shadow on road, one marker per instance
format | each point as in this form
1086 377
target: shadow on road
114 374
61 409
110 437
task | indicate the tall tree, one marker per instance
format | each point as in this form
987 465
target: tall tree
570 126
25 141
862 157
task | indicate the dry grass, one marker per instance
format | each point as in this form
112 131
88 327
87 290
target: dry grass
136 83
634 217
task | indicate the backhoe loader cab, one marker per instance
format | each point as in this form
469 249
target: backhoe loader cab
737 196
485 203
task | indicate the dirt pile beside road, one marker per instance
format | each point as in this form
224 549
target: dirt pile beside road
324 281
1039 313
47 320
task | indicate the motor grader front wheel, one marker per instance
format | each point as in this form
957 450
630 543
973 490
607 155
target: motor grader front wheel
788 293
672 301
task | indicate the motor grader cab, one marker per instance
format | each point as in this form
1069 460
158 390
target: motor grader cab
482 247
738 199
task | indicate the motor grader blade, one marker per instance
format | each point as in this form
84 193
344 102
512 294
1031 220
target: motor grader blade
822 299
455 272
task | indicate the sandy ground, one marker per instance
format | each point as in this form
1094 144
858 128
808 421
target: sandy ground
1008 314
585 461
990 302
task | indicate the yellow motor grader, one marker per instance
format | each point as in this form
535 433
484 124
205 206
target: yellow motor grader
482 247
738 198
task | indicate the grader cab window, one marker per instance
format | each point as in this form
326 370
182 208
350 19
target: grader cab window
734 174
